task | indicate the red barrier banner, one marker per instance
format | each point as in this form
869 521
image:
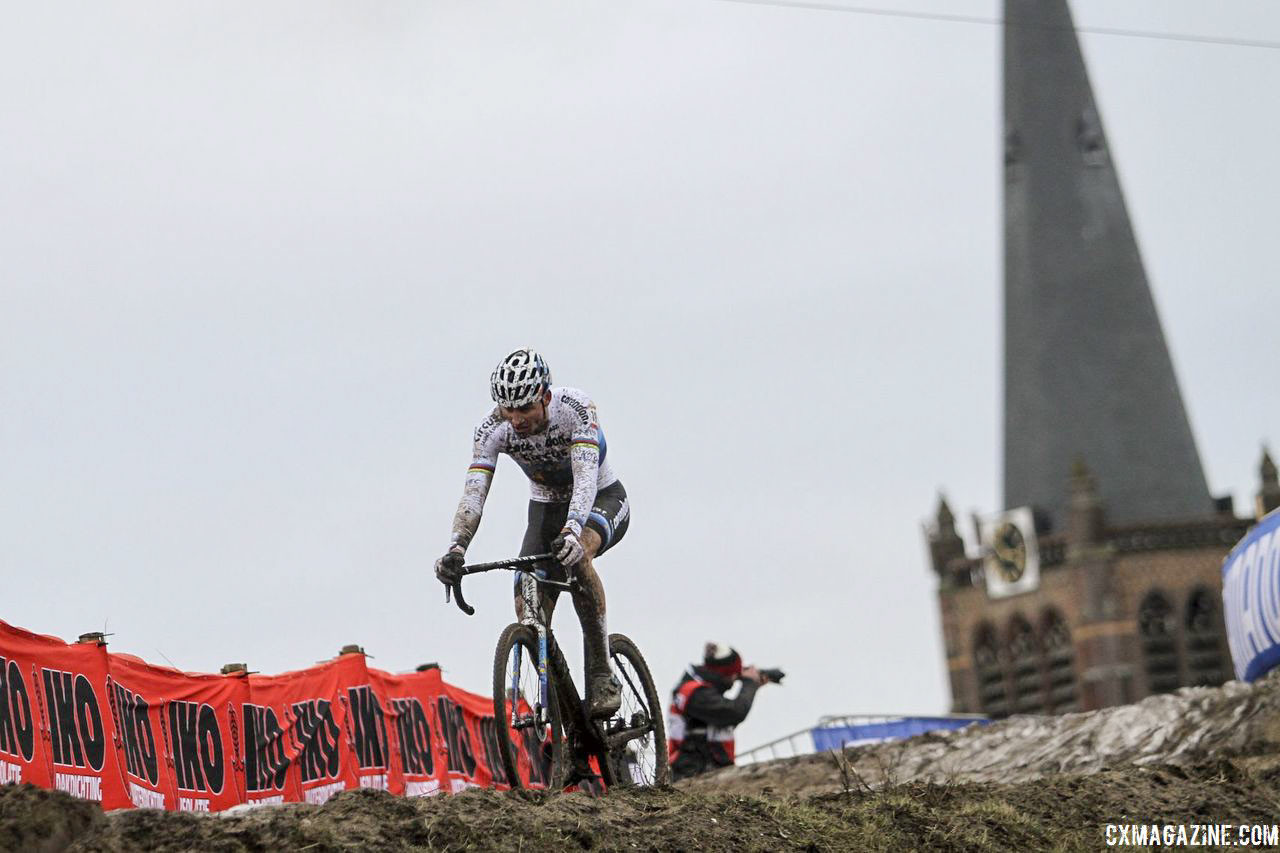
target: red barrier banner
467 722
448 739
120 731
22 744
312 733
533 751
367 728
421 753
55 726
178 735
470 758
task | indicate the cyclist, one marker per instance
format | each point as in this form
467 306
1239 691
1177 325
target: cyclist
577 507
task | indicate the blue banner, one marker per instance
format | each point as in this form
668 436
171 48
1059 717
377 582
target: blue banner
1251 599
837 737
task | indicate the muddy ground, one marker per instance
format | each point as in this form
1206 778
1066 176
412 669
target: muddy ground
1197 757
1061 812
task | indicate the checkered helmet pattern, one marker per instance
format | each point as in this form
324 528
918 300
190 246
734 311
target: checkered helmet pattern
519 379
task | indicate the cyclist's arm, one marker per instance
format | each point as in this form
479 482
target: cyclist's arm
484 460
711 707
584 458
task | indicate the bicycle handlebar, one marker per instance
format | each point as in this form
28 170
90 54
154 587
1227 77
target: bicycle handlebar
514 563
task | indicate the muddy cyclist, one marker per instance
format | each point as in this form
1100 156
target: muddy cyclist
577 506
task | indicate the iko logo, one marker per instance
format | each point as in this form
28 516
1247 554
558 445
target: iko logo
265 764
198 759
75 720
17 728
489 737
457 737
370 728
135 729
414 734
318 734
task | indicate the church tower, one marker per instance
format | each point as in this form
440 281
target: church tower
1088 377
1110 588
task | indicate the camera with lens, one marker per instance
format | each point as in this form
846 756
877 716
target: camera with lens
774 675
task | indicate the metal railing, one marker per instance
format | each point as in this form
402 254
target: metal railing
801 742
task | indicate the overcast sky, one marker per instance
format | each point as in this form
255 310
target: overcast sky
259 259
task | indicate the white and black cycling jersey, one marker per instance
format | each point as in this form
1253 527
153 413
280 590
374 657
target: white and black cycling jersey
566 462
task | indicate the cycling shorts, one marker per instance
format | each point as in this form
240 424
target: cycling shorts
610 517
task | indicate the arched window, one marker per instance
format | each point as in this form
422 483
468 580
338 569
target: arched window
1159 631
1059 657
1205 662
992 698
1024 664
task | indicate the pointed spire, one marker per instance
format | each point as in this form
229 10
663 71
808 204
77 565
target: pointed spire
1268 469
946 518
1269 494
1087 370
945 543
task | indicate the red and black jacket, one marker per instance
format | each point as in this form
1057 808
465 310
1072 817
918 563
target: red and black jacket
701 721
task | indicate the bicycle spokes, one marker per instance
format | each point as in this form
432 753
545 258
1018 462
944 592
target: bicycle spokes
631 728
513 695
524 691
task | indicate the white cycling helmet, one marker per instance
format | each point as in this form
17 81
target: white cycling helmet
519 379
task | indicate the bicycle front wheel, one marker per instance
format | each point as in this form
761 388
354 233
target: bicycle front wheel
637 734
532 753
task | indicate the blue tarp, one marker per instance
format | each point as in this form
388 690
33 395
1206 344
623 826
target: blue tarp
1251 599
837 737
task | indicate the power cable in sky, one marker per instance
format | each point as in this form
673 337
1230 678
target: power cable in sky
973 19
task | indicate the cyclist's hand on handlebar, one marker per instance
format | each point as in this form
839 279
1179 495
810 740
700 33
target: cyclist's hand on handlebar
567 548
449 567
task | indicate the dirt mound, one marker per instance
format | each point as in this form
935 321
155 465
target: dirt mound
1192 725
1059 812
1195 757
34 819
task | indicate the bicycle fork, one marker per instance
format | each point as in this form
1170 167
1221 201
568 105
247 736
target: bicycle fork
532 604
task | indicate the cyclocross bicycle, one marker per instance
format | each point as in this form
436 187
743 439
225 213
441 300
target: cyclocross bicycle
534 692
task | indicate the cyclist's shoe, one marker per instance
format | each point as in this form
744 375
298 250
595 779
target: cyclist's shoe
606 696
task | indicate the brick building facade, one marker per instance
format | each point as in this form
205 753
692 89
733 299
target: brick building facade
1120 613
1128 597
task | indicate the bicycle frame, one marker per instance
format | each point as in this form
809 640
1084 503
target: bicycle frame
534 617
531 574
591 739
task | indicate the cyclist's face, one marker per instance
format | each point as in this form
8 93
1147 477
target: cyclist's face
529 418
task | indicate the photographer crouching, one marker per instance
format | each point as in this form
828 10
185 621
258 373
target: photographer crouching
701 719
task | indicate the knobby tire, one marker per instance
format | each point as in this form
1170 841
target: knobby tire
525 637
638 693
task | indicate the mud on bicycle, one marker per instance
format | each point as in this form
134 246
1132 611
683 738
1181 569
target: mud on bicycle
533 690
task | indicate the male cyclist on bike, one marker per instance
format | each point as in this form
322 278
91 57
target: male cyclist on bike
577 507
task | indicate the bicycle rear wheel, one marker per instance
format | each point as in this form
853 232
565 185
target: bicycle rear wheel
637 734
516 689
